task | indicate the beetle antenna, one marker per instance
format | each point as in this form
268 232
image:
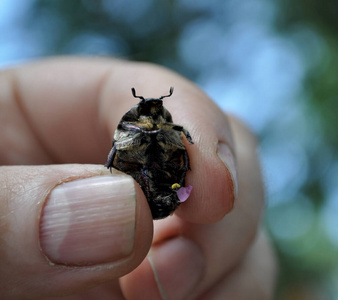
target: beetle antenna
134 94
170 93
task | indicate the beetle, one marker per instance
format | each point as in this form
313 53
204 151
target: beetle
148 146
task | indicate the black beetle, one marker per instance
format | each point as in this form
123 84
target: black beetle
148 146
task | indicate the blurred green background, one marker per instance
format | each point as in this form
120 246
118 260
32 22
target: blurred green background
273 63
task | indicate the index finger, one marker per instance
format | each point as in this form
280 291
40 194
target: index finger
73 107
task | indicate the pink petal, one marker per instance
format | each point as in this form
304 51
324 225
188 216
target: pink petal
184 192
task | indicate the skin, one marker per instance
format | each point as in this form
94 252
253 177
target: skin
65 110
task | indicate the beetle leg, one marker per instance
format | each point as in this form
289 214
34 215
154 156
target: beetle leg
187 135
131 127
186 160
128 143
185 132
111 157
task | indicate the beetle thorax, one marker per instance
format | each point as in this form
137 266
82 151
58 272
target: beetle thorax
148 122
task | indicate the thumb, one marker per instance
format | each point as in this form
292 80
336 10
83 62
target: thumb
59 223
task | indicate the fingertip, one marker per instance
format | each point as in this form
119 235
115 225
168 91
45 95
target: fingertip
171 270
140 284
214 189
92 227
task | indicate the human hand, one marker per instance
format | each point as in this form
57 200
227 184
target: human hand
74 230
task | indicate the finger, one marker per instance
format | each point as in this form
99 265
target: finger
50 112
210 250
254 278
212 161
67 228
73 112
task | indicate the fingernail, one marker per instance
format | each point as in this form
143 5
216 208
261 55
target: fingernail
89 221
226 155
178 266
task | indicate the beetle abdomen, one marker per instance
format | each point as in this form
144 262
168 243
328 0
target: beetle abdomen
156 169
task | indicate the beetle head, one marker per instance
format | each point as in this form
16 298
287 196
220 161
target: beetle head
151 106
